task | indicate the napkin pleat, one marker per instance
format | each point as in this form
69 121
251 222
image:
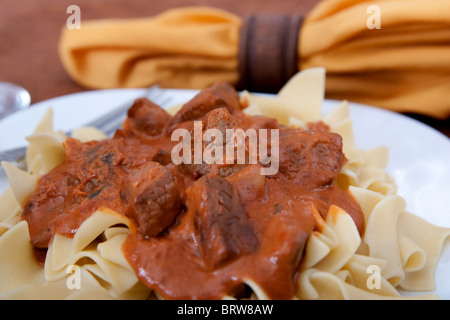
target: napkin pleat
167 49
403 66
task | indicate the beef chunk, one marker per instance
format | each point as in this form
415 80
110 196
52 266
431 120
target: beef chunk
220 223
153 199
219 119
259 122
146 117
220 95
310 158
288 231
248 182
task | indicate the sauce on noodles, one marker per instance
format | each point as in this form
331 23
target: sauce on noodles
201 230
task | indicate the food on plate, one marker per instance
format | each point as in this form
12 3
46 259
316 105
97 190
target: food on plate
119 218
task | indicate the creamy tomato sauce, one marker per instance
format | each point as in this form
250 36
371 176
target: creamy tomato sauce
201 230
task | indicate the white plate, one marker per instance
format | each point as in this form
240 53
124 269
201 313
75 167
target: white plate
419 155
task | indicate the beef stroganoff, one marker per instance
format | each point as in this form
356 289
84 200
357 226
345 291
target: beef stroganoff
132 224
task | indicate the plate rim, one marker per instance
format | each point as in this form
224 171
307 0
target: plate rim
45 103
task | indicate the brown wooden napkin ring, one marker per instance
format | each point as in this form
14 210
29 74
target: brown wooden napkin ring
268 51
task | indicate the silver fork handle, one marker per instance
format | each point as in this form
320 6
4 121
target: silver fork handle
13 155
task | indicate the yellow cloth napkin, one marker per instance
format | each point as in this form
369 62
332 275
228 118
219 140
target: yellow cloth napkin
189 47
403 66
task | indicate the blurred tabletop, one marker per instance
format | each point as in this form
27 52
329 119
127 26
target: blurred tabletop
30 30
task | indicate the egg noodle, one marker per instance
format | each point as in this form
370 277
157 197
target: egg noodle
397 250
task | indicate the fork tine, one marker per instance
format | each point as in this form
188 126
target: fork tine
165 101
103 122
111 127
154 93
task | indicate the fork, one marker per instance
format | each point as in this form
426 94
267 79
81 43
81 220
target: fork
108 123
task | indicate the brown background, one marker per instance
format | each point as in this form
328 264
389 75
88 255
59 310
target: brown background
30 30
